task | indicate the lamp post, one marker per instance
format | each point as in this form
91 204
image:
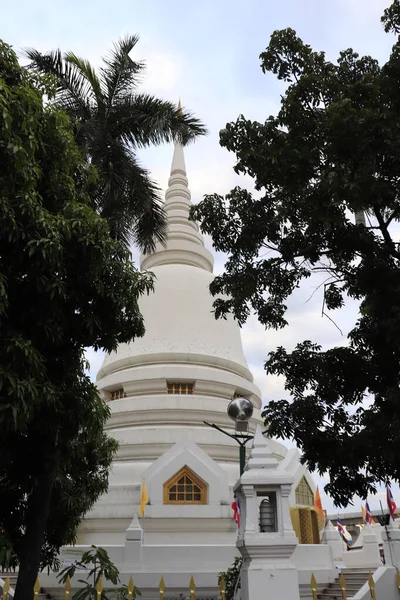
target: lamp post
240 411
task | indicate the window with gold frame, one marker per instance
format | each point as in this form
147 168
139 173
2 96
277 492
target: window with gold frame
304 493
117 394
180 388
185 488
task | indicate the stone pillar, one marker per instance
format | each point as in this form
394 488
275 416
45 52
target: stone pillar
133 544
286 520
391 545
378 529
332 538
372 557
266 539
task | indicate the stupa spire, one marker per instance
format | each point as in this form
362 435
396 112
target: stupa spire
178 167
261 456
185 244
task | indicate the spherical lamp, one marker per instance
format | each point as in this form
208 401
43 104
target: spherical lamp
240 410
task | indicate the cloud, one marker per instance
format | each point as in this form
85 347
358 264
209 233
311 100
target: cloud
95 360
163 73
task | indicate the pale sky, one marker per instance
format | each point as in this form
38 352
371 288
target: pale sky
207 54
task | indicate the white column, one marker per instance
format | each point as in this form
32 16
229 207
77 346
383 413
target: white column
250 524
288 531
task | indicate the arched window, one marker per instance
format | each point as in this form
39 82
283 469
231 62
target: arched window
185 488
304 494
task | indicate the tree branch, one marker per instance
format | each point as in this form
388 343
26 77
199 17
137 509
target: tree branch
324 283
394 214
386 235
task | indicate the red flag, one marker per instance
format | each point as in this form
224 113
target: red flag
236 511
390 502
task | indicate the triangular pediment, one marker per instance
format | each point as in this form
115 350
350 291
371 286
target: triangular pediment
187 454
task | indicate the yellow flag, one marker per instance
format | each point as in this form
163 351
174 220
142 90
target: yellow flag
144 499
318 505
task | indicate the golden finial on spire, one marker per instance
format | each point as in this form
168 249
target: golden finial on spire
67 588
99 588
192 588
161 588
6 588
180 108
131 588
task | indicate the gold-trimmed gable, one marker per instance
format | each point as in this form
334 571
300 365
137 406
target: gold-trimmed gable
185 487
304 493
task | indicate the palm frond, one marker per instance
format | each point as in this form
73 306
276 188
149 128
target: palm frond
113 121
150 225
121 73
143 120
86 70
72 87
128 199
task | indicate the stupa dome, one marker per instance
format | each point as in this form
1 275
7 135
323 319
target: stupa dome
183 343
181 332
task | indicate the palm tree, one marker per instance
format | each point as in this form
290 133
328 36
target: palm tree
112 122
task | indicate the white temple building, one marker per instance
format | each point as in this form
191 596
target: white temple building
161 389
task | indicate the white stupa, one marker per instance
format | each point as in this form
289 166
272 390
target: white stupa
161 388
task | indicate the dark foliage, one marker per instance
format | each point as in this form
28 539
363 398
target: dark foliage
331 154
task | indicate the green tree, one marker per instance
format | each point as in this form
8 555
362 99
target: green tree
112 122
231 578
65 284
332 152
99 569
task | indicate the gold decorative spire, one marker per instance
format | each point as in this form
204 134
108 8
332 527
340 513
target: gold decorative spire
180 113
131 588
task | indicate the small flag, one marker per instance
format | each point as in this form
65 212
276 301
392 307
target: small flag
236 511
340 526
144 499
368 515
345 536
318 505
391 503
364 514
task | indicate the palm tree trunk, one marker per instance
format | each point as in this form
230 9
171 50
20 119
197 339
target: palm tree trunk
38 512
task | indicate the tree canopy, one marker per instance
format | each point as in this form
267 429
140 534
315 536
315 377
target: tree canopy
332 152
112 121
65 284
